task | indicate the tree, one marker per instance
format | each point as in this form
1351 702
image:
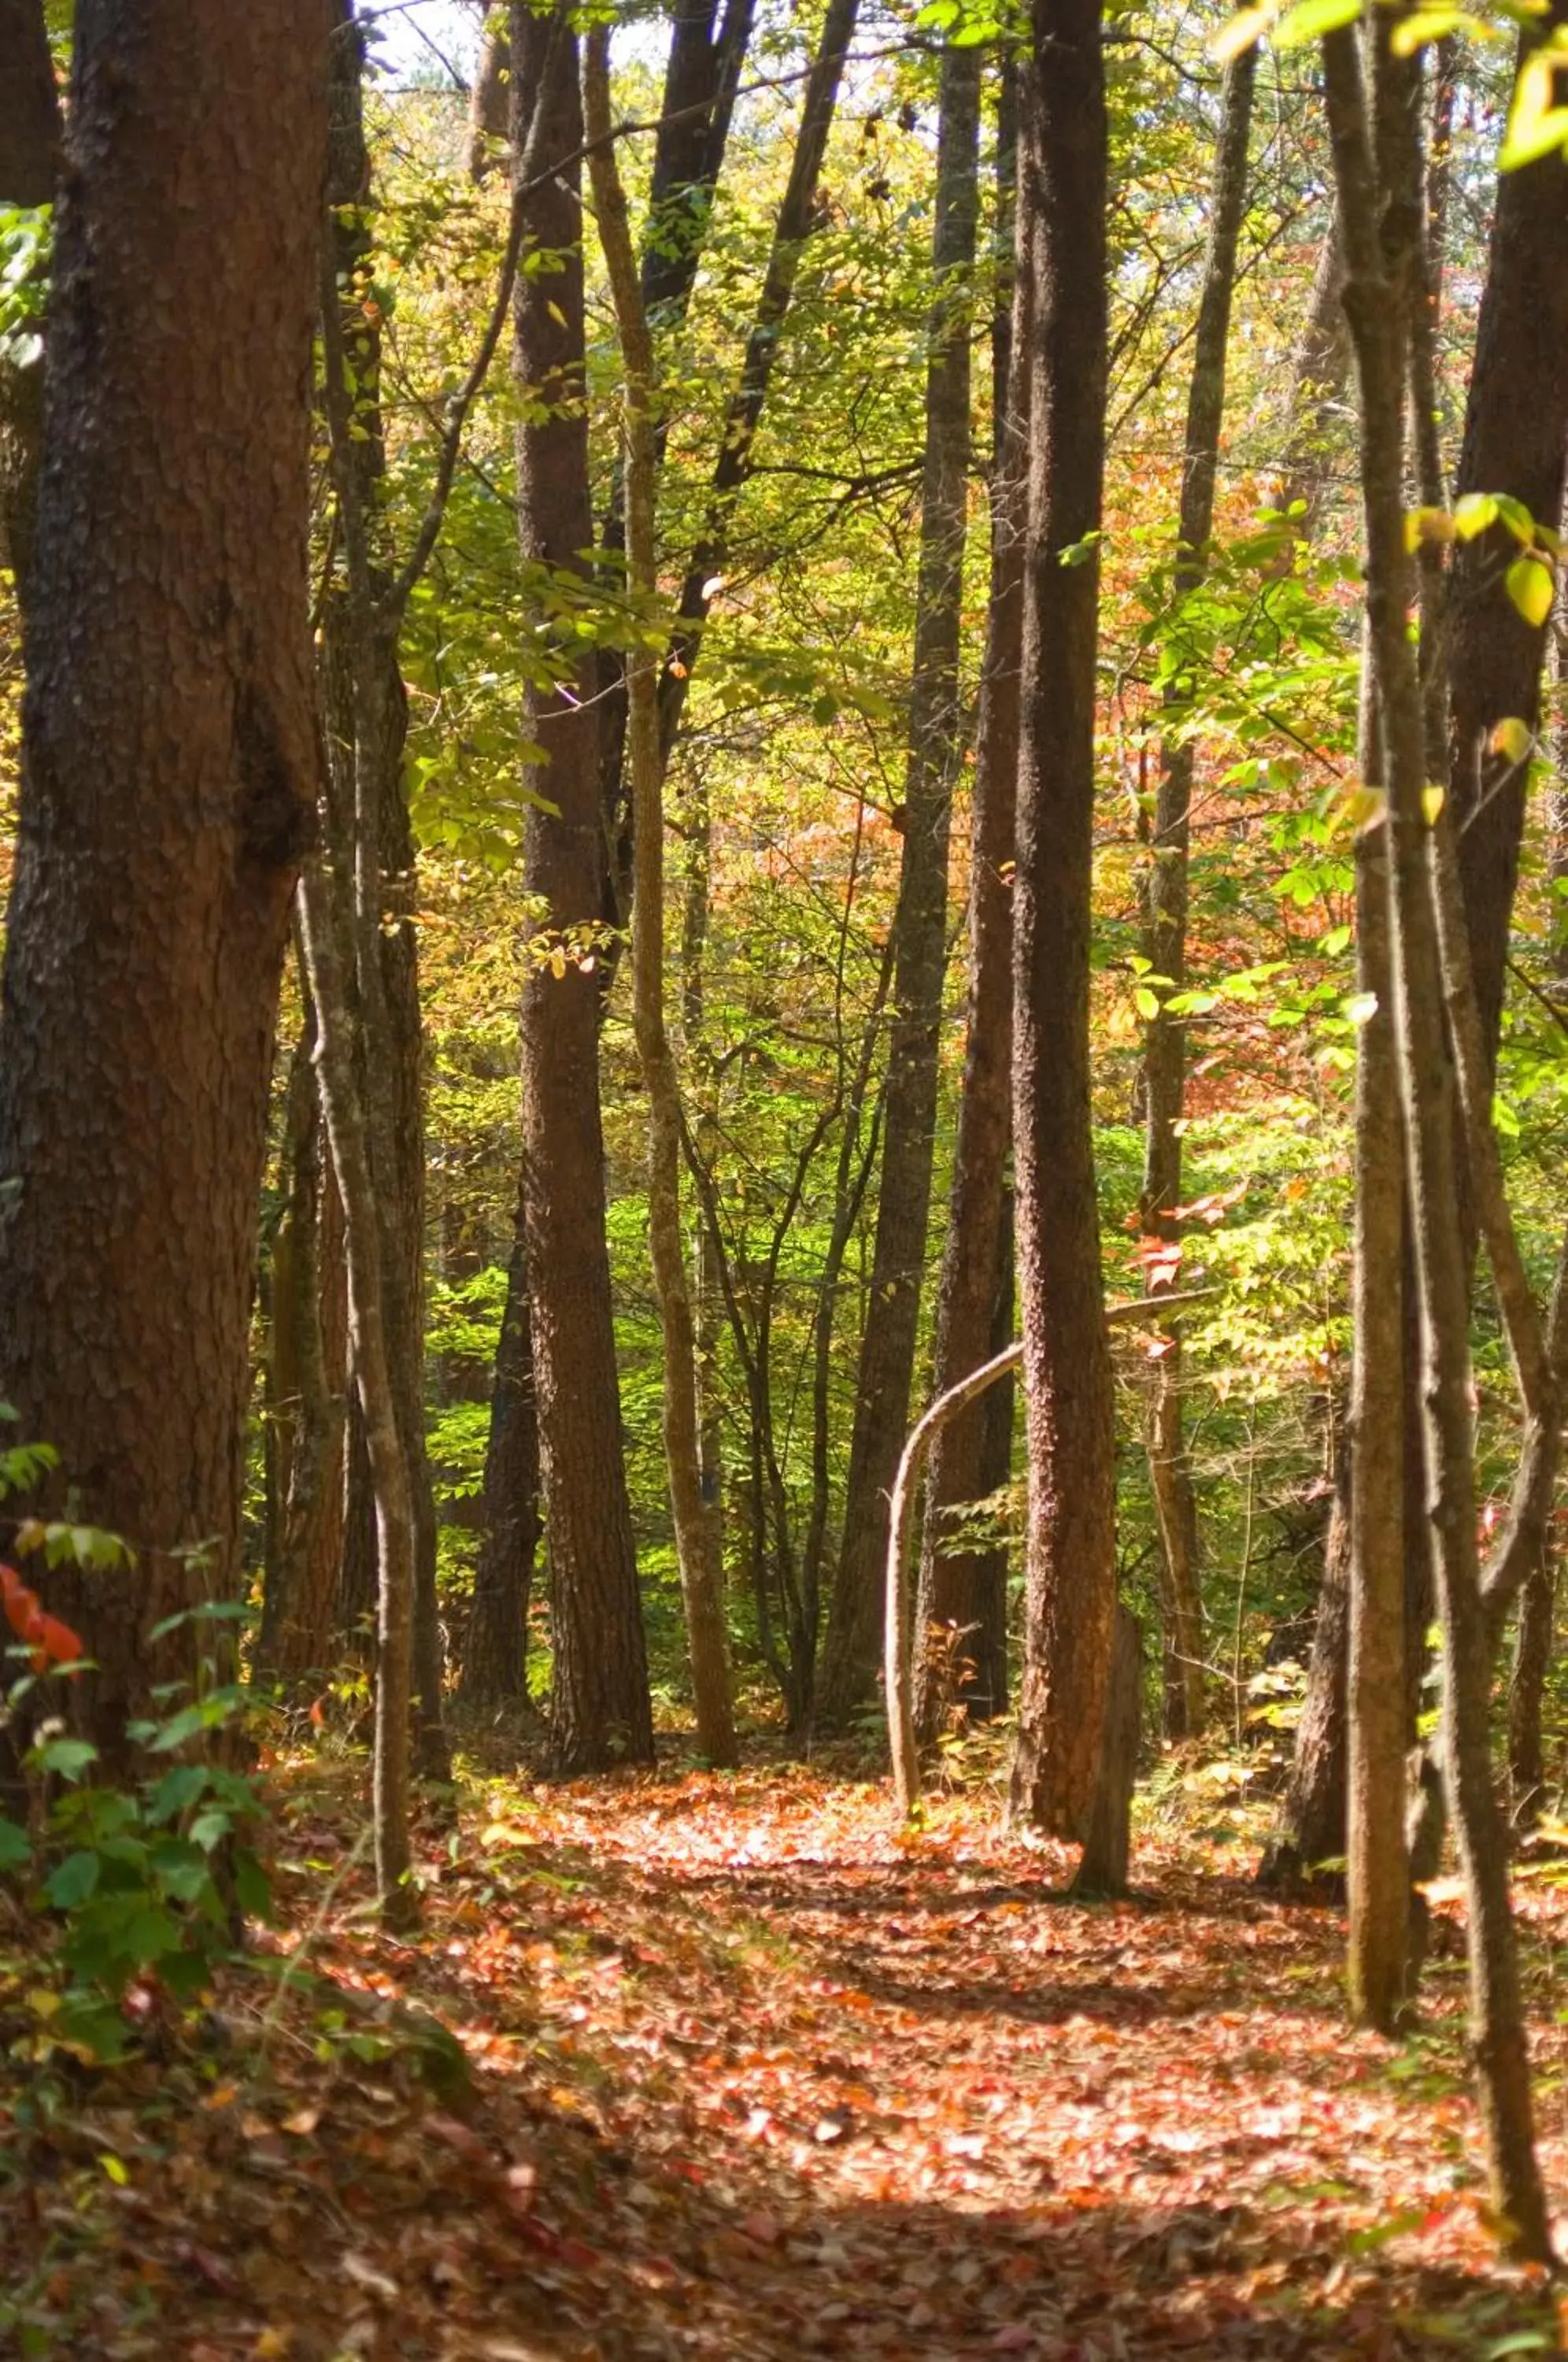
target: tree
1379 229
601 1707
962 1593
919 921
29 158
702 1570
1166 892
1070 1547
169 793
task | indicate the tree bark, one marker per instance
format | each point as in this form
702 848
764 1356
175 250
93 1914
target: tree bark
601 1711
362 625
29 162
1378 235
307 1402
886 1370
732 467
1070 1562
1320 379
495 1646
702 1573
328 931
1108 1846
167 797
963 1592
1515 427
1165 914
1376 1866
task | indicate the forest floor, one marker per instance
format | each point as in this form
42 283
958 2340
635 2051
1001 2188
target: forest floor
745 2074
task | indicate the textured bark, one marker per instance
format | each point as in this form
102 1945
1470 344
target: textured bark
329 930
30 160
1312 1812
1514 430
732 467
490 102
306 1401
702 1573
361 624
168 794
965 1592
1165 909
601 1712
1070 1565
706 53
886 1370
701 76
495 1646
1378 236
1320 380
1376 1866
1108 1846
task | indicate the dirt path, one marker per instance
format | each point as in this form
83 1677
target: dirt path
754 2079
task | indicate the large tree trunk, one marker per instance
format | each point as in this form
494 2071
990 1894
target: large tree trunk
961 1602
495 1646
168 794
1071 1544
885 1371
702 1574
29 162
601 1712
1377 231
1165 910
1320 377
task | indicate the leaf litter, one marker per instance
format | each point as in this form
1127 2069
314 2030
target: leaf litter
723 2067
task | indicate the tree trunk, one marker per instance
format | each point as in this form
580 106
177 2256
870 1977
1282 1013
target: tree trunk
1516 426
601 1712
1311 1827
495 1646
1164 911
885 1371
1320 378
167 797
1377 231
1108 1846
1376 1866
307 1401
329 930
963 1592
30 160
732 469
702 1573
362 626
1071 1565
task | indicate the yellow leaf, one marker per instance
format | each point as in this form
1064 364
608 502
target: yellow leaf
1511 738
1530 582
1428 525
1536 127
115 2168
1433 799
1366 807
1243 30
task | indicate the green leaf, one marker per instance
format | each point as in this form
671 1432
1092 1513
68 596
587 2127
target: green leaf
69 1756
69 1886
15 1848
1148 1003
1536 127
1310 20
1531 585
252 1887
